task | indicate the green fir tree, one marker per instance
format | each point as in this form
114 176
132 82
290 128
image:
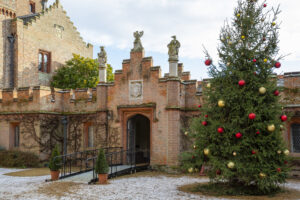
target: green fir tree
238 135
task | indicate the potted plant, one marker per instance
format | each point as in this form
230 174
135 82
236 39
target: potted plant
54 164
101 167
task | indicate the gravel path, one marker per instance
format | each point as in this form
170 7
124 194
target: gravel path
135 188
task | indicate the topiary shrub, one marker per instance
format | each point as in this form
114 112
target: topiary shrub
55 164
101 163
18 159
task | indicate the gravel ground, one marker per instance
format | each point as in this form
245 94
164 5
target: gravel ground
135 188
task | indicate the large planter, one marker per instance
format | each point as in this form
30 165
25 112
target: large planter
102 178
54 175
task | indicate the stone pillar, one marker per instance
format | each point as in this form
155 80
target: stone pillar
102 58
173 68
173 46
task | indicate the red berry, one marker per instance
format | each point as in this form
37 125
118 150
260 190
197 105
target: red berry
242 83
278 170
206 116
252 116
283 118
220 130
276 92
254 60
238 135
253 152
199 106
265 5
204 123
277 64
257 132
208 62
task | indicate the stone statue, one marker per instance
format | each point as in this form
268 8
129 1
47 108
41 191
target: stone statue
173 49
102 57
137 42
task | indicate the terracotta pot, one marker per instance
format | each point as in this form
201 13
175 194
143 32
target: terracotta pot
54 175
102 178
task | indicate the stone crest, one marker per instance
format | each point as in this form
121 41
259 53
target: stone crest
102 57
136 90
173 46
137 42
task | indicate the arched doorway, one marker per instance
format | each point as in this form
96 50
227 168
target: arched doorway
138 139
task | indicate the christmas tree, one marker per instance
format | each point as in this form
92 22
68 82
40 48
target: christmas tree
238 135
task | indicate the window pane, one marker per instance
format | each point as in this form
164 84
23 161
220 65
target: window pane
45 63
91 136
17 136
296 138
40 61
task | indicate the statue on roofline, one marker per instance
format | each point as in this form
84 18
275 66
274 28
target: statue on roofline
173 46
137 42
102 57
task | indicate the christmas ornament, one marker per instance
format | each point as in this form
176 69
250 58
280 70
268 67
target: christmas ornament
195 146
242 83
208 62
253 152
230 43
257 132
186 133
221 103
276 93
208 85
265 60
271 127
264 39
252 116
283 118
254 60
199 106
204 123
240 41
218 172
278 152
262 175
234 153
206 151
265 5
243 37
238 15
196 170
193 157
230 165
262 90
286 152
228 64
281 127
220 130
206 116
238 135
278 169
190 170
277 64
285 162
273 23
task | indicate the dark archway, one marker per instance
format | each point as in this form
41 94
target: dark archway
138 138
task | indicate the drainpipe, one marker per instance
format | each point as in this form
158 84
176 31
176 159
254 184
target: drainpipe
11 76
64 121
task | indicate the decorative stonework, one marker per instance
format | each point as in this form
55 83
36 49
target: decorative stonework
138 47
173 46
59 30
136 90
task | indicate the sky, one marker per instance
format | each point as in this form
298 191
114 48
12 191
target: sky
196 23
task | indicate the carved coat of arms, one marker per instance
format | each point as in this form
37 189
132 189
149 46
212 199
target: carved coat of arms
136 90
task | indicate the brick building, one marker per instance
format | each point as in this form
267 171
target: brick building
141 109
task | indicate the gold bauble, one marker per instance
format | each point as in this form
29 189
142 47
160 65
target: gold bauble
286 152
228 64
262 90
230 43
191 170
265 60
195 147
262 175
186 133
206 151
243 37
273 23
240 41
230 165
279 152
208 85
221 103
271 127
234 153
238 15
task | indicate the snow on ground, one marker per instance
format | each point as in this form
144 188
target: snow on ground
134 188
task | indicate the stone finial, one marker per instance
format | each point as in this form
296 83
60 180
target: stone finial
102 59
138 47
173 46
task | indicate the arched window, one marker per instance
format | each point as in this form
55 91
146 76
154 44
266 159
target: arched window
31 7
295 138
44 64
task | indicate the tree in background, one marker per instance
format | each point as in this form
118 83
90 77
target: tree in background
238 134
79 72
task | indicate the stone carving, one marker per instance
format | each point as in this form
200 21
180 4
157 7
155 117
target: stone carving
136 90
173 46
102 57
137 42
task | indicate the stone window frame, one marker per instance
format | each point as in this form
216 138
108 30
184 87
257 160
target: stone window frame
87 127
15 141
48 54
32 7
293 125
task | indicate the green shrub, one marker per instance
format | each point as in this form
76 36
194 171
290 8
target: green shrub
18 159
101 163
55 164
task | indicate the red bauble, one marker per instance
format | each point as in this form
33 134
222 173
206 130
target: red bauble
199 106
264 39
277 64
242 83
254 60
204 123
278 169
238 135
206 116
257 132
252 116
283 118
253 152
276 93
254 73
218 172
220 130
193 157
285 162
265 5
208 62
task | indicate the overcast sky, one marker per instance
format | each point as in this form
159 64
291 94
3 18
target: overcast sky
111 23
